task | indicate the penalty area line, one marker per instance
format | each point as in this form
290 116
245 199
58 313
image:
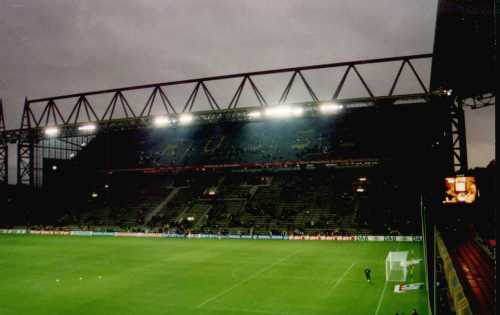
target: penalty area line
381 299
342 276
254 275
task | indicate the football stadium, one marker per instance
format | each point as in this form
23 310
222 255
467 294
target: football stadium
338 188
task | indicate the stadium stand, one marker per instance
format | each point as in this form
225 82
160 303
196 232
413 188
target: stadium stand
310 175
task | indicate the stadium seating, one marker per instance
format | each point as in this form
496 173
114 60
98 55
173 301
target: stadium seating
283 176
320 201
477 272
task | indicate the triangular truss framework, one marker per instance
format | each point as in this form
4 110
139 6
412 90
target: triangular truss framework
119 106
44 112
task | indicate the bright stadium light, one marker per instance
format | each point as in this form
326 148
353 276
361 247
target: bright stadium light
330 108
255 114
161 121
87 128
283 111
362 179
94 195
185 119
51 131
360 189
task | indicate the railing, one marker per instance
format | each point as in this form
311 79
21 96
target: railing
460 302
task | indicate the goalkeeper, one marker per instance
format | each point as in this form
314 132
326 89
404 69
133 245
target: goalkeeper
368 275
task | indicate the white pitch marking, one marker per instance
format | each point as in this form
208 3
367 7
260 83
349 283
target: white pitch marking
381 299
254 275
343 276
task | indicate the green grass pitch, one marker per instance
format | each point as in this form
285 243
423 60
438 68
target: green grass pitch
55 275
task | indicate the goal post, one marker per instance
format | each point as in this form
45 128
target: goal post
396 266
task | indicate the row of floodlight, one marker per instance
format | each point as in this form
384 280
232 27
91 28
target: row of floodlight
165 121
290 111
158 121
273 112
53 131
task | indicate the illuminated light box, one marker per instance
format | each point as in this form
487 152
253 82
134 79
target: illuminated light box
460 189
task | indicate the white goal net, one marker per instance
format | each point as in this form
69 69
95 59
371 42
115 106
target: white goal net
396 266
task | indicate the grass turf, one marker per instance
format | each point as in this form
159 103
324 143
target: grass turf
180 276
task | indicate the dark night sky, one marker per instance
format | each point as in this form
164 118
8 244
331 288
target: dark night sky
52 47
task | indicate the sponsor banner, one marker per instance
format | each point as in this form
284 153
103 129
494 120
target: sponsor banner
154 235
173 235
320 238
13 231
132 234
401 288
262 237
389 238
103 234
373 238
345 238
138 234
418 238
81 233
376 238
404 238
361 237
277 237
48 232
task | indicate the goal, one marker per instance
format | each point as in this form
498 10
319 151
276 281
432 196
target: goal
396 266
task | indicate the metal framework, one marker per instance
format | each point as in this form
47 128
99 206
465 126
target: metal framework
84 110
4 149
68 112
480 101
457 136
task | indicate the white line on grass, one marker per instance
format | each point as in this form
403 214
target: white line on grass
381 299
252 276
342 276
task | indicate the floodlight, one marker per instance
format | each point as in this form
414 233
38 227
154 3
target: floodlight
161 121
255 114
54 167
284 111
330 108
362 179
94 195
185 119
190 219
87 128
360 190
51 131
